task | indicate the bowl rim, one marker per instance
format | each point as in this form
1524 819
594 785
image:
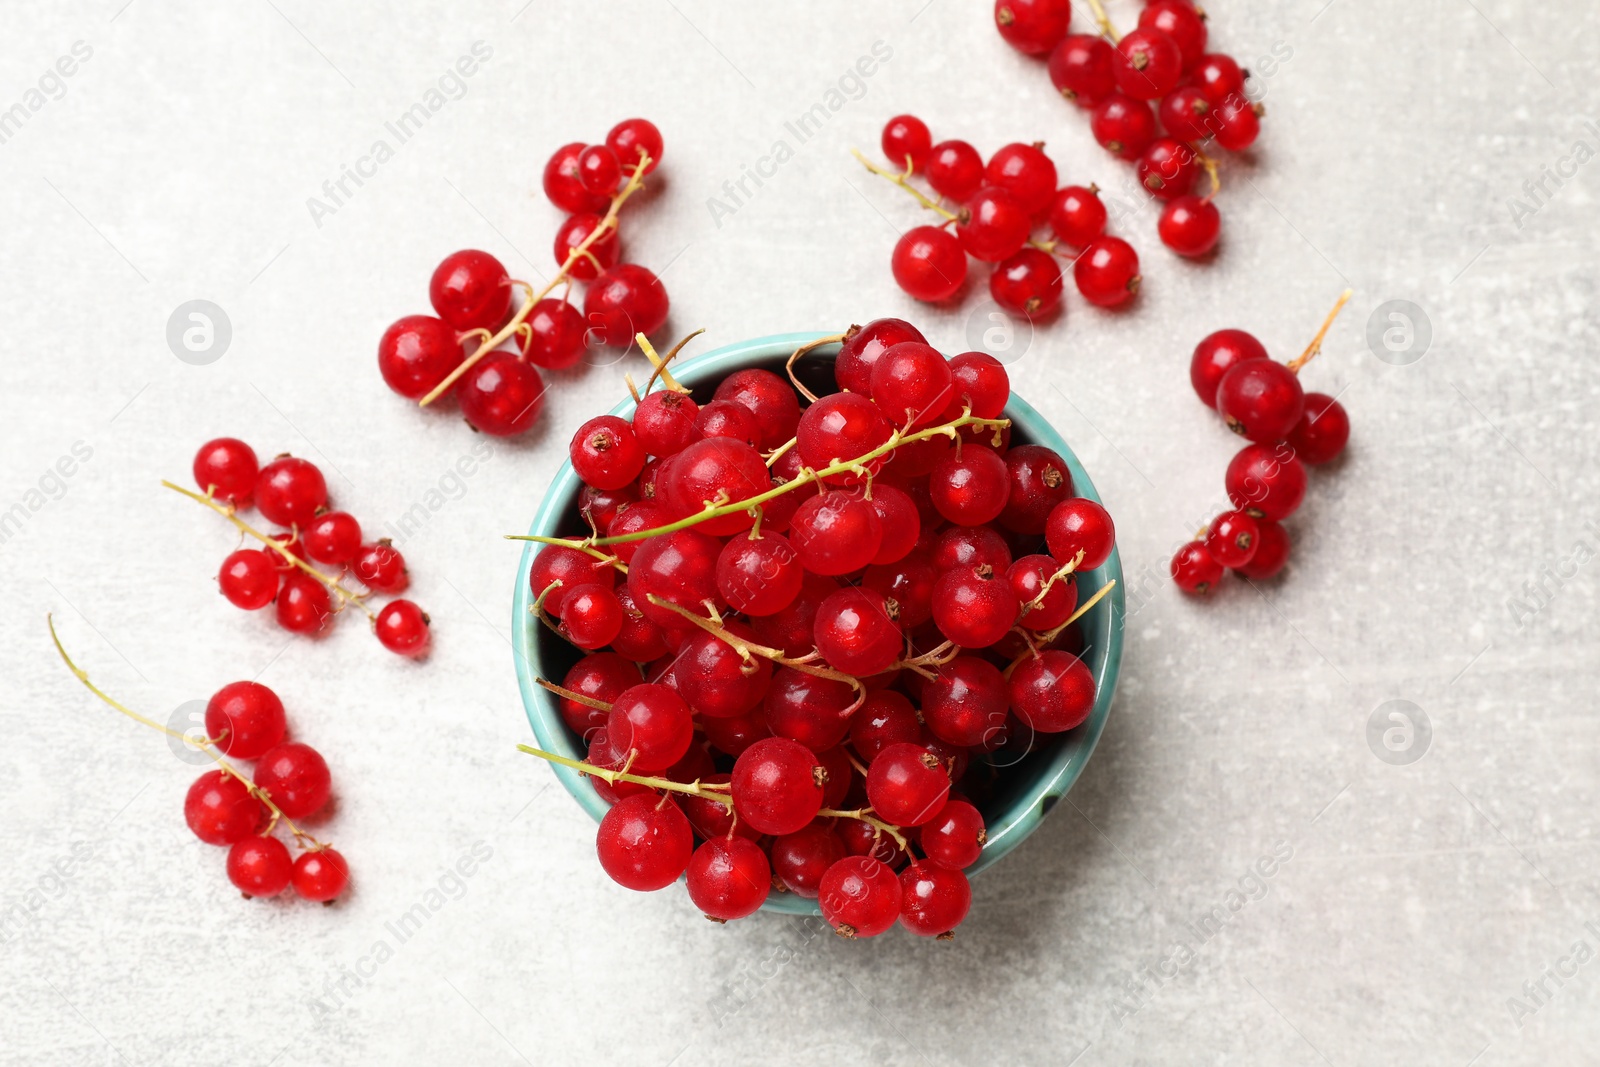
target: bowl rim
1102 624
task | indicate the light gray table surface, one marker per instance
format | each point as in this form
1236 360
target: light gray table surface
1413 908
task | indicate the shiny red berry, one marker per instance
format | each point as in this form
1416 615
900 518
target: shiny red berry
852 367
1266 480
1051 692
249 578
635 139
954 169
1215 355
332 537
906 142
1272 552
402 628
1024 171
1081 69
1107 273
1148 64
1190 226
320 875
1195 570
1032 27
304 606
245 719
599 170
644 842
993 225
471 290
1077 215
381 568
625 300
259 866
934 900
563 182
729 878
295 777
600 255
1027 284
1080 525
227 468
1231 538
557 337
1123 125
220 809
1260 399
501 395
929 264
289 491
1323 430
1168 168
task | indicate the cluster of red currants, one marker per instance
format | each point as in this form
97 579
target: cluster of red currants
292 493
999 205
245 721
1198 96
500 390
1262 400
808 626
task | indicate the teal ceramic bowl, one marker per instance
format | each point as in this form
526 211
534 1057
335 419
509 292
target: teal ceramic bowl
1024 790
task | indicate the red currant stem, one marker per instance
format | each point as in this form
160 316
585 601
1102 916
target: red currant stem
713 510
345 596
1316 342
903 180
861 813
694 788
839 338
748 650
936 657
660 362
1104 20
755 527
580 545
576 698
1044 639
480 333
1210 166
855 762
1038 601
493 340
205 745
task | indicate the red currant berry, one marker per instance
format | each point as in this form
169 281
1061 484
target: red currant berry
640 640
1028 284
304 606
1272 552
605 453
634 139
289 491
290 543
766 396
417 353
1238 124
912 384
980 381
1123 126
852 368
929 264
295 777
249 578
974 607
332 537
1190 226
724 418
800 859
664 422
563 182
471 290
899 521
220 809
1107 273
864 839
1051 692
1195 570
381 568
1024 171
245 719
971 546
644 842
602 676
1215 355
886 718
680 568
906 142
789 628
711 818
1148 64
813 711
1032 27
1261 399
1220 78
557 335
841 427
259 867
227 469
955 170
1322 431
1186 113
320 875
1080 525
501 395
858 632
600 506
402 628
934 900
653 723
1231 538
729 878
1081 69
860 895
1266 479
777 785
598 170
1078 215
1168 168
715 470
715 681
1181 21
761 576
909 583
625 300
1028 577
970 489
600 255
1039 481
993 225
955 837
907 785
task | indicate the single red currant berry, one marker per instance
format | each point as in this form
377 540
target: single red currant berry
729 878
971 546
304 606
259 867
295 777
601 253
653 723
1272 552
633 140
471 290
970 489
664 422
381 568
1261 399
220 809
710 675
761 576
1039 481
955 837
800 859
766 396
842 427
1190 226
625 300
955 170
1215 355
929 264
639 640
332 537
1051 691
290 490
858 632
899 521
981 382
1078 215
1148 64
1024 171
974 607
644 842
1186 113
852 367
563 182
501 395
909 583
1123 126
724 418
777 785
711 818
602 676
934 900
245 719
1168 168
320 875
993 225
1195 570
227 469
1029 578
864 839
249 578
1231 538
417 353
1032 27
1238 124
906 142
1107 272
402 628
860 895
1266 480
680 568
911 382
835 533
907 785
1080 525
598 170
1322 431
886 718
1081 69
1028 283
1219 77
600 506
812 711
605 453
557 337
715 470
1181 21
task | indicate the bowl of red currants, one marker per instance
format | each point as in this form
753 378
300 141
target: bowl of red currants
819 624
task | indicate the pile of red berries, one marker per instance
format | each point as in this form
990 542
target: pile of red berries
1262 400
808 626
1198 96
999 205
500 390
292 493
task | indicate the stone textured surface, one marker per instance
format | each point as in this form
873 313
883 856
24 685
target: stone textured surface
1416 900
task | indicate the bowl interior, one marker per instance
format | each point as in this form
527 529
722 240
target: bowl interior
1014 787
